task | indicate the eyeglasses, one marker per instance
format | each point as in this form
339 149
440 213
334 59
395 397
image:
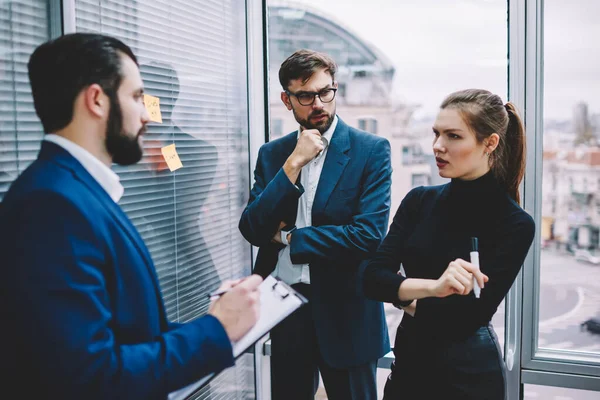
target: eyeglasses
308 98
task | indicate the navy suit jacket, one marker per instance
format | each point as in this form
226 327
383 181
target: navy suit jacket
82 312
349 220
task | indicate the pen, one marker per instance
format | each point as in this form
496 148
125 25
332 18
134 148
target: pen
475 261
221 292
218 293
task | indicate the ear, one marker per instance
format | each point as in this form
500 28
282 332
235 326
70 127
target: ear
95 101
286 100
491 142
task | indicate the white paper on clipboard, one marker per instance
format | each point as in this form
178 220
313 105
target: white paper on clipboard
277 301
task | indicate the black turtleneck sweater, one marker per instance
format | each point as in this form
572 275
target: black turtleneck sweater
432 227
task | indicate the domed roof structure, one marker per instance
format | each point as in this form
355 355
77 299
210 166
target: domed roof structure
294 26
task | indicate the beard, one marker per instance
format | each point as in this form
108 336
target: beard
125 149
321 126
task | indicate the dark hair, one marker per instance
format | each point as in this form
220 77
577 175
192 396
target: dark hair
485 113
163 77
59 69
164 73
303 64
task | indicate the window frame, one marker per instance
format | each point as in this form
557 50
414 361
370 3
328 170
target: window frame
526 89
258 129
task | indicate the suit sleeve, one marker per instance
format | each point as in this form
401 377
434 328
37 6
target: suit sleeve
501 266
364 234
63 289
381 280
268 201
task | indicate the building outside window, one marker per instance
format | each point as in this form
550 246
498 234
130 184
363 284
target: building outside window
193 57
368 125
276 128
394 80
420 180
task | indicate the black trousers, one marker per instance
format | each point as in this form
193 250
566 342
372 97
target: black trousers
296 362
468 369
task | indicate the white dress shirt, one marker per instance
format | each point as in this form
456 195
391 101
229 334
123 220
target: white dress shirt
309 178
105 176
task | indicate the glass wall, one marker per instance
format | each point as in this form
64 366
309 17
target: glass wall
397 61
569 287
23 26
560 298
192 57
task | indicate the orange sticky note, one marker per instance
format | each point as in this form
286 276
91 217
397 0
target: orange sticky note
171 157
153 107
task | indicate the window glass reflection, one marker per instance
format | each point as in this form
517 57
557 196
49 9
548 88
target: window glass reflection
397 61
569 311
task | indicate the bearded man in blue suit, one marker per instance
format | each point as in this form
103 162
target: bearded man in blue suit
80 301
318 208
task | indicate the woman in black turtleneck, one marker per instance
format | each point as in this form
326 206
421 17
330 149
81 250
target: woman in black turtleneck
445 346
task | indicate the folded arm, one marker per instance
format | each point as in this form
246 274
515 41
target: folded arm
381 280
267 204
501 265
364 234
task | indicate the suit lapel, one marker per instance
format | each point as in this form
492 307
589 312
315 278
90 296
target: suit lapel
334 165
122 220
65 159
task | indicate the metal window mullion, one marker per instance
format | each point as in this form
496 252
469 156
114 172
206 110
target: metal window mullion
538 363
256 31
533 121
68 16
570 381
55 18
257 62
517 74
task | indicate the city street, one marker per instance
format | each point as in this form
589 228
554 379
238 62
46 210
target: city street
570 294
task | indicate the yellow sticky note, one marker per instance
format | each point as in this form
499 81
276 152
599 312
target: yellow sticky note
153 107
171 157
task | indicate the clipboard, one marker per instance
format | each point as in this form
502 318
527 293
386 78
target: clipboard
277 301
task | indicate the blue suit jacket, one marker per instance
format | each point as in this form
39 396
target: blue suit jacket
349 220
82 312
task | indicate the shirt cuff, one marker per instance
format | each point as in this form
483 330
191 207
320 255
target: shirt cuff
401 303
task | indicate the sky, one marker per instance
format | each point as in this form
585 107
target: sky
439 46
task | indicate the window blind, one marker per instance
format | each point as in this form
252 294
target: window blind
192 57
23 26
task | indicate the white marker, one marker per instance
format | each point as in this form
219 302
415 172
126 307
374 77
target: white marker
475 261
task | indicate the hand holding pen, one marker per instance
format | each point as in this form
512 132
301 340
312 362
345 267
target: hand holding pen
458 278
224 288
236 305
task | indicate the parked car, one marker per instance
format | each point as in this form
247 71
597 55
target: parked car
591 325
586 257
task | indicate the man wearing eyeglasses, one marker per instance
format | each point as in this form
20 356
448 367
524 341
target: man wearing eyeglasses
318 208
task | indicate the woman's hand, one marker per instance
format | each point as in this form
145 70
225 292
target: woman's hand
458 279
